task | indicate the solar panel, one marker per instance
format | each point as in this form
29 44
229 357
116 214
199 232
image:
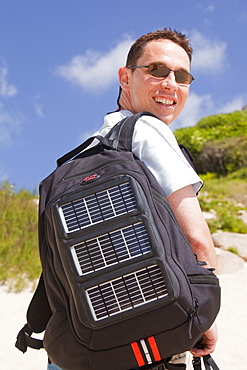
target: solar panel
127 292
97 207
111 248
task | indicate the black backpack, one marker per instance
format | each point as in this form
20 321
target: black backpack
121 287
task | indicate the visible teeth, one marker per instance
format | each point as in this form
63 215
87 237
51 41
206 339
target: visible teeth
164 101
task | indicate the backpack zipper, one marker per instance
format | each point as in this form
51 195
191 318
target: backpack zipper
194 308
192 314
83 174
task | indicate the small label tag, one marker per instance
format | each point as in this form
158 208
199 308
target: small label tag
90 178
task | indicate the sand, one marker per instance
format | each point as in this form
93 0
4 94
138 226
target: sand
232 326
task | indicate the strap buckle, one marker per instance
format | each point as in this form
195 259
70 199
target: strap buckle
25 340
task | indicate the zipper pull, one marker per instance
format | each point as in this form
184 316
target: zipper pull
191 316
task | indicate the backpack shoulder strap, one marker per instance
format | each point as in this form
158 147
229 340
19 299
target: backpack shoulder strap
38 315
39 311
208 362
187 155
121 134
74 152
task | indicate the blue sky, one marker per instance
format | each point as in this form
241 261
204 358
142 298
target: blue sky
59 62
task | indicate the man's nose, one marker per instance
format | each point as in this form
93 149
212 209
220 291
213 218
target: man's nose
170 81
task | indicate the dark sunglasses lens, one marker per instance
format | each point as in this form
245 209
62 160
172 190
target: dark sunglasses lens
183 77
161 71
158 70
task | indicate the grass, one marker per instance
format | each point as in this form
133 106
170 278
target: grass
226 196
19 256
233 250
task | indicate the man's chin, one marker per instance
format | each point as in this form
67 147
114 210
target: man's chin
167 119
165 115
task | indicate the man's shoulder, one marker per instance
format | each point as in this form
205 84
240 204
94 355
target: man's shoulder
111 119
147 123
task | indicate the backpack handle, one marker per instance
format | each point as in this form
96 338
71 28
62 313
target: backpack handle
70 155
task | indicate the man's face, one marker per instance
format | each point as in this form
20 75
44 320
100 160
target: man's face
165 98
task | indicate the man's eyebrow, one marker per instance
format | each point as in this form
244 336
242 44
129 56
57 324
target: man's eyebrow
157 62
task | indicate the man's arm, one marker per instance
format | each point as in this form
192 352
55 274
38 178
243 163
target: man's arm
187 211
209 341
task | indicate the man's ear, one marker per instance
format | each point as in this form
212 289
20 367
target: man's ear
124 78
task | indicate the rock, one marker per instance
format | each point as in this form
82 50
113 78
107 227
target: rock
226 240
243 216
227 262
210 215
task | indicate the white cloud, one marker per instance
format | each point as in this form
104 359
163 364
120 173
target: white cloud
205 7
6 89
95 71
38 106
199 106
9 124
39 109
208 55
9 121
236 103
210 8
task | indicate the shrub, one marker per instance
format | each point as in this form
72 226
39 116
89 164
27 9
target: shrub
19 256
223 156
218 143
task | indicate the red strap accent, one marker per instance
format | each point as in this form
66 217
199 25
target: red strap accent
154 348
138 354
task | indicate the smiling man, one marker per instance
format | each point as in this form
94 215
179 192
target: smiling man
157 79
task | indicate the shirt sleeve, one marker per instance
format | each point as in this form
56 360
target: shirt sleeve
156 146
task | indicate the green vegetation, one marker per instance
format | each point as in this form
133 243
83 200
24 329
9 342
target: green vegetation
226 197
219 146
218 143
233 250
19 257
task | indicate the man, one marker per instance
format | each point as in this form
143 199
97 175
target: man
157 79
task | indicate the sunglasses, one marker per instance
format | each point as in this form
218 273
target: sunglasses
161 71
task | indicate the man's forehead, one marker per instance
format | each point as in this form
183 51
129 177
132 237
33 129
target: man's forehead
158 50
161 45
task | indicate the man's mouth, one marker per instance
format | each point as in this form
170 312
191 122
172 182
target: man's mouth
164 101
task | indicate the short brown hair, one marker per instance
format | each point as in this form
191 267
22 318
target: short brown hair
136 49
